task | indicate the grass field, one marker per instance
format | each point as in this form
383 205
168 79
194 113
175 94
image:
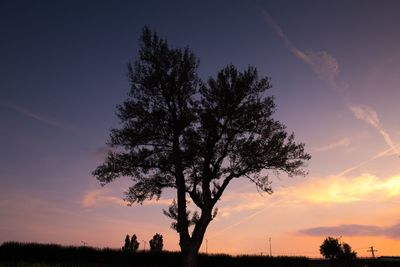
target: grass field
52 255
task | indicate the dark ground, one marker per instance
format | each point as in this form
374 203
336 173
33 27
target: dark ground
46 255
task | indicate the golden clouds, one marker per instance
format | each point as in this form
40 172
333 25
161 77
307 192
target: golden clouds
346 189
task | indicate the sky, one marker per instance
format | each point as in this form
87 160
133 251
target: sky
335 72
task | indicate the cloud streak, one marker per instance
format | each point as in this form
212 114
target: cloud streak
344 142
104 196
42 118
354 230
239 222
378 155
370 116
322 63
251 203
101 196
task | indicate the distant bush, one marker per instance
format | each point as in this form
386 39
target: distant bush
341 253
156 244
134 245
127 244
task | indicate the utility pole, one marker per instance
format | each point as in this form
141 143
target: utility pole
144 245
372 250
270 248
206 246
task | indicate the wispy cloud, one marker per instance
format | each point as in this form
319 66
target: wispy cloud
104 196
378 155
325 66
354 230
252 204
100 196
42 118
370 116
237 202
344 142
247 218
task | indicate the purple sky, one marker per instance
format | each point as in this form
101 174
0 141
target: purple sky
335 70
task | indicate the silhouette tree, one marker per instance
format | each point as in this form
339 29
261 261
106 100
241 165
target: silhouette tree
347 252
180 132
330 248
127 244
134 245
333 250
347 256
156 244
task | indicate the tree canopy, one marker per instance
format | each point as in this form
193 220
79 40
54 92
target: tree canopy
156 243
330 248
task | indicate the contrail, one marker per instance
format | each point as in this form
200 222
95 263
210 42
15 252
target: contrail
370 116
239 222
379 155
322 63
40 117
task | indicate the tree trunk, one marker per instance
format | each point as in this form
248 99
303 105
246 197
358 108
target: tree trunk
190 249
189 257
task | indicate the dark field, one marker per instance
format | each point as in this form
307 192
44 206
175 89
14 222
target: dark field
44 255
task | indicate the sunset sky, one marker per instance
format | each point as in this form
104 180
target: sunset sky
335 69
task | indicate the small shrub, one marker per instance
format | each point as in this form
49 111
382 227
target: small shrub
156 244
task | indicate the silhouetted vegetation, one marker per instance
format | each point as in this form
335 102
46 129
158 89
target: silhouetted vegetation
33 254
127 244
330 248
156 244
342 254
196 136
131 245
134 245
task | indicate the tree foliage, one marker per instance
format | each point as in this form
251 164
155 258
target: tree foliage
156 243
134 244
332 249
195 136
127 244
130 245
347 255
